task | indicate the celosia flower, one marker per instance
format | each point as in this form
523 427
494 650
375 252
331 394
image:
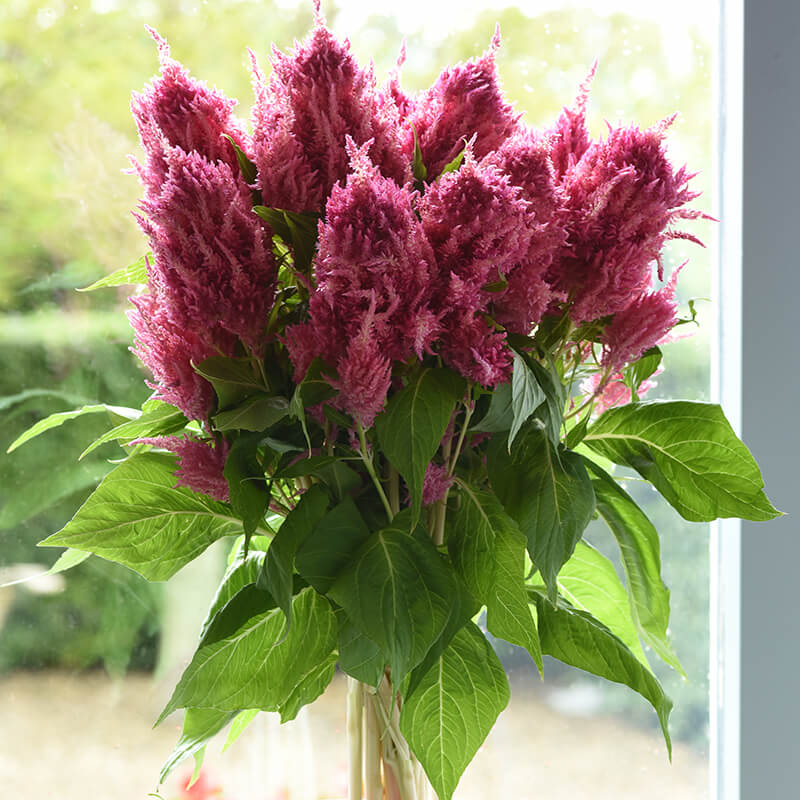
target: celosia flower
177 111
615 392
569 137
213 262
466 102
436 483
621 198
374 273
169 351
315 98
640 325
200 463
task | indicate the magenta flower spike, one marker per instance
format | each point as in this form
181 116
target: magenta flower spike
176 110
317 96
569 137
465 102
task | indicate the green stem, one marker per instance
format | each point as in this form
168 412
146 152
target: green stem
355 736
362 437
394 489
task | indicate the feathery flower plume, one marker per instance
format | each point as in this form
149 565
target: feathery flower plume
176 110
435 484
200 463
569 137
465 102
614 393
213 263
621 199
315 98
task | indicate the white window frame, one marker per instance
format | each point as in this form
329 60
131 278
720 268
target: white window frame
755 631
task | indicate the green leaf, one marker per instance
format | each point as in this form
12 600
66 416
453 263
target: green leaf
135 273
340 478
312 465
59 418
589 582
454 708
157 419
552 413
67 560
576 434
526 395
577 639
418 168
500 415
508 613
641 370
547 491
359 656
137 518
330 547
298 229
239 726
410 430
233 379
455 164
640 551
398 591
296 528
690 453
471 539
246 166
256 666
200 725
238 575
247 484
256 413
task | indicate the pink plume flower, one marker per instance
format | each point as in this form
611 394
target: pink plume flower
465 102
213 262
315 98
473 348
435 484
640 325
615 392
569 138
200 463
621 199
169 351
176 110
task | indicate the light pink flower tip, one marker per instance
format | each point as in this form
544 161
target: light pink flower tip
615 391
435 484
570 136
319 17
200 463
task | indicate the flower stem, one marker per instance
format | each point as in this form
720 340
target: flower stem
355 736
362 437
372 749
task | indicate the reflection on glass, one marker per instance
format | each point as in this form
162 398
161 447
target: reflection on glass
82 673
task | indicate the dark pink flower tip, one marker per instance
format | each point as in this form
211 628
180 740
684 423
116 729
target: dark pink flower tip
569 138
466 101
213 261
317 96
200 463
435 484
175 110
471 347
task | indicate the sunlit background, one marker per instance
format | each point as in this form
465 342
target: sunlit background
82 665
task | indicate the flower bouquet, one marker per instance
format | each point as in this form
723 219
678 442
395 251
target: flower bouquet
398 345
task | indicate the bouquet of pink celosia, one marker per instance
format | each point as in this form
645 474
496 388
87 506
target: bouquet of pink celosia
396 343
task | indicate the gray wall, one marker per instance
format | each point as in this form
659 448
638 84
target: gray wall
770 553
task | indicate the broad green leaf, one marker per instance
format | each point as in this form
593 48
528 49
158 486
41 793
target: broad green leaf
132 274
280 557
640 550
500 415
157 419
233 379
471 539
508 613
249 496
552 412
340 478
330 547
10 400
589 582
315 388
453 709
239 574
312 465
256 666
410 430
239 726
690 453
256 413
547 491
199 726
641 370
577 639
526 395
59 418
67 560
137 518
398 591
359 656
